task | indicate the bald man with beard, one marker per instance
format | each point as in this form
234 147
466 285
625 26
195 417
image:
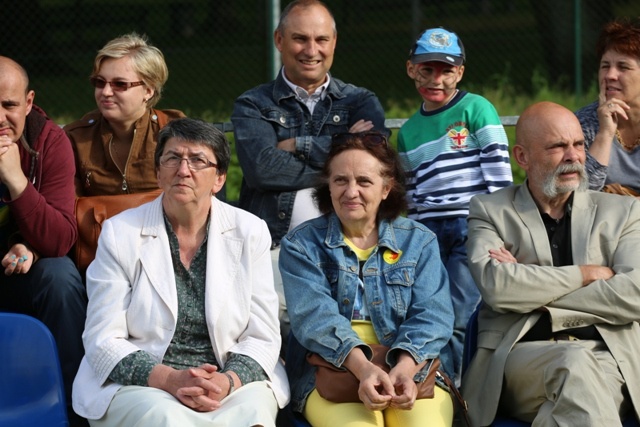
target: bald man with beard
558 270
37 222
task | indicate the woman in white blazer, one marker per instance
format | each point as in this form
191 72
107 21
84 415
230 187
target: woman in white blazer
182 326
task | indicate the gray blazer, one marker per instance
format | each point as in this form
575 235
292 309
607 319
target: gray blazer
605 230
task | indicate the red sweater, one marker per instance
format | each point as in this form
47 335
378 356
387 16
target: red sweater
43 216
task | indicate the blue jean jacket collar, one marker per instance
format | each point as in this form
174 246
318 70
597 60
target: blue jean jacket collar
386 236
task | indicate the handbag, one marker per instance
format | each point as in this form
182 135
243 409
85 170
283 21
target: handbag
91 211
338 385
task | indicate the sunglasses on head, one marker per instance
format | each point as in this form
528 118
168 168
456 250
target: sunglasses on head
116 86
369 139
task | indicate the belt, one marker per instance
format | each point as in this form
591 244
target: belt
563 337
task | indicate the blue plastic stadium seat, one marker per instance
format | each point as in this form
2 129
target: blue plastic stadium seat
288 418
31 387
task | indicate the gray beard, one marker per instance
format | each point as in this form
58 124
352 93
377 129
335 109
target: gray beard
552 189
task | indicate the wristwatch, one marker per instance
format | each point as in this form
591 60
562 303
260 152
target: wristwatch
232 384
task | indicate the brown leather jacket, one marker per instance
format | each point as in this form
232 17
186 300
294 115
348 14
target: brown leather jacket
97 173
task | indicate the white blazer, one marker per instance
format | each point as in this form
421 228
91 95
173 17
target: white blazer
133 303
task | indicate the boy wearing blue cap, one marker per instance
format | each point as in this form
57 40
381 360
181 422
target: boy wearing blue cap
452 148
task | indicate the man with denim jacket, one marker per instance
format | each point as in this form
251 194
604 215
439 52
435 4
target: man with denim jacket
283 128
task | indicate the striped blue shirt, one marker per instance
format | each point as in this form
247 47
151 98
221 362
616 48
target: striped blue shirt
452 154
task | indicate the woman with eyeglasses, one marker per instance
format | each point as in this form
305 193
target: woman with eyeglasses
182 326
114 144
362 274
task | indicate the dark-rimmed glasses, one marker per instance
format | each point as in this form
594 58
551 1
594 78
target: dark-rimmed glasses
116 86
195 163
369 139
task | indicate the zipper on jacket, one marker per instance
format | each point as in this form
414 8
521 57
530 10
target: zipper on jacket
125 186
87 180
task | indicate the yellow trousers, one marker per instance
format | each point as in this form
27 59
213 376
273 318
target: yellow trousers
436 412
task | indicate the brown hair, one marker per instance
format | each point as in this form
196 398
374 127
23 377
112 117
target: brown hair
395 203
621 35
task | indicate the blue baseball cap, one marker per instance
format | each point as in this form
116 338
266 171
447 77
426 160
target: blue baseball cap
438 44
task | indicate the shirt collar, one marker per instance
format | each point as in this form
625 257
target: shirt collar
302 94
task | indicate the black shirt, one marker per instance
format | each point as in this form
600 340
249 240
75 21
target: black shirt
559 234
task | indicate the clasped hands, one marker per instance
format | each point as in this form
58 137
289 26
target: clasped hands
11 174
201 389
379 390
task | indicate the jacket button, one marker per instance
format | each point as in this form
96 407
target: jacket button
336 118
352 268
282 119
345 301
281 215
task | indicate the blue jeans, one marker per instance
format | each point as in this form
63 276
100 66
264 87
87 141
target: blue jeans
465 296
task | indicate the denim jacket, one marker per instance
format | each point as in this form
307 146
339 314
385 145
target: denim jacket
270 113
406 288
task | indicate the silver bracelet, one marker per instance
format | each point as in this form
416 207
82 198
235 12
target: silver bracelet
232 384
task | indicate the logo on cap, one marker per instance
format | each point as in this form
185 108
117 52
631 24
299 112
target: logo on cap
440 40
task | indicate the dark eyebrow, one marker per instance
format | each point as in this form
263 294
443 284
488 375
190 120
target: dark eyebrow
190 153
367 177
9 102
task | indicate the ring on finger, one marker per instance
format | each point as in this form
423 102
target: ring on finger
610 105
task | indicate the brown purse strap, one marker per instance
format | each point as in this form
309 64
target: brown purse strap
459 404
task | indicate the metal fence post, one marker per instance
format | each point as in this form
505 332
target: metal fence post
273 6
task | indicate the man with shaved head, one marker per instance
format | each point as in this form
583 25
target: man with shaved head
559 273
37 223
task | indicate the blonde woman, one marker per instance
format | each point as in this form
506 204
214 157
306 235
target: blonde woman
114 144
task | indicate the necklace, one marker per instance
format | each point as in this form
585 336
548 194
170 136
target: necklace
628 147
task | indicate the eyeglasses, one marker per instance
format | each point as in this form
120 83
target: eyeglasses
116 86
195 163
369 139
